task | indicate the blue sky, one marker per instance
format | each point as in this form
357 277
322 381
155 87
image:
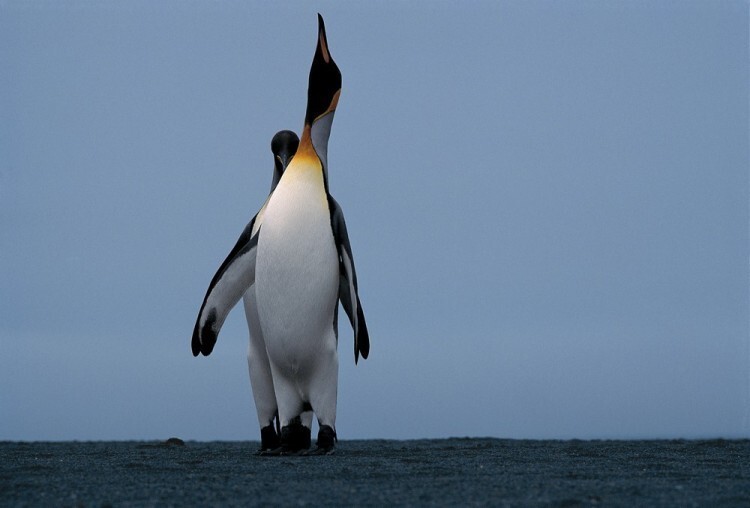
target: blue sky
547 202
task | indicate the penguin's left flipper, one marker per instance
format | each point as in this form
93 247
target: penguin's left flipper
235 275
348 292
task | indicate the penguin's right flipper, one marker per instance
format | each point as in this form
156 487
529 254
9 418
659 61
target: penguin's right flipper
235 275
348 291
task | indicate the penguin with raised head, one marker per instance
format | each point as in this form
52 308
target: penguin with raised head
299 261
283 146
303 266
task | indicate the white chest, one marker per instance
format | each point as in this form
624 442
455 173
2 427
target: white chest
296 275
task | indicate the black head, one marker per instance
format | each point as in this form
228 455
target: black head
325 79
283 145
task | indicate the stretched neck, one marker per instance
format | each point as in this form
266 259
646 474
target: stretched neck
320 131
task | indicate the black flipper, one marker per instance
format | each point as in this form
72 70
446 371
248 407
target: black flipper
235 275
348 292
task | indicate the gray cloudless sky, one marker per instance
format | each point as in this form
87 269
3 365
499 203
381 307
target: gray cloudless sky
547 201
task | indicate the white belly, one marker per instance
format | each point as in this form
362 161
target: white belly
297 274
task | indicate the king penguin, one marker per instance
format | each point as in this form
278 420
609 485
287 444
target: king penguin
304 265
296 259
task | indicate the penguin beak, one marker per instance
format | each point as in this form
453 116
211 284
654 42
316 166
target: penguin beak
322 40
282 161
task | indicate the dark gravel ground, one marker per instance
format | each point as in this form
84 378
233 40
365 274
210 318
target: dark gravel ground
453 472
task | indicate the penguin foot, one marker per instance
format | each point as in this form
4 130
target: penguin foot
295 438
326 441
269 439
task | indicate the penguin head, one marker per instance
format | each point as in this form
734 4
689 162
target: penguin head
324 84
283 145
323 92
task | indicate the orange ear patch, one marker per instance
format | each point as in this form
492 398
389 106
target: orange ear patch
334 101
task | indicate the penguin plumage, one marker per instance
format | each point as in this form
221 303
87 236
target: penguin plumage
304 266
227 285
297 256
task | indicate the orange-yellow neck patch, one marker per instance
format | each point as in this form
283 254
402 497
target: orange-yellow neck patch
305 152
